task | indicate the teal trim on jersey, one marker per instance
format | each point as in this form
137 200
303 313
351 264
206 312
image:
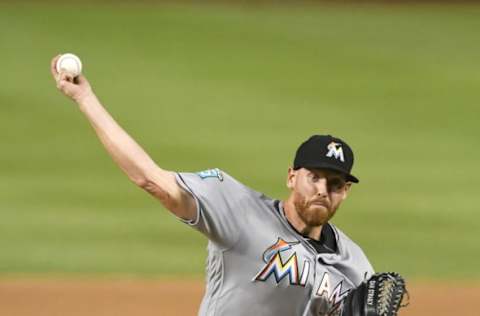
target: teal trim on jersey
211 173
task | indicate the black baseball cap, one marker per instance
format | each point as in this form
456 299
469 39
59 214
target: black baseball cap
325 152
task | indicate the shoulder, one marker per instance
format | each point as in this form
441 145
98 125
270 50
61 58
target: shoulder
217 182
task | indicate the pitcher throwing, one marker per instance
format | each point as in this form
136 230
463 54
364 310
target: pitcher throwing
265 256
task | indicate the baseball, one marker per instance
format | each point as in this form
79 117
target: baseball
69 63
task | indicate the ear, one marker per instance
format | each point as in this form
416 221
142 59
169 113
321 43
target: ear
291 178
348 186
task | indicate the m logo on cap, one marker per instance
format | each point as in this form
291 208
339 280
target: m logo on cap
335 150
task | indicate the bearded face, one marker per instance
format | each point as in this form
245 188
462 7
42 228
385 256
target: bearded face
316 194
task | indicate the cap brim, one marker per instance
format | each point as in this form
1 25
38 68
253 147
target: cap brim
352 178
349 177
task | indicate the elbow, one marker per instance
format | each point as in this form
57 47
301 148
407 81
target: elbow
143 183
172 197
147 185
163 187
155 190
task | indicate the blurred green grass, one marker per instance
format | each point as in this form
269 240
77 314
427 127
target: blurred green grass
239 88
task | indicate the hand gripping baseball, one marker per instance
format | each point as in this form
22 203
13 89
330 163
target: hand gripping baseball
381 295
75 88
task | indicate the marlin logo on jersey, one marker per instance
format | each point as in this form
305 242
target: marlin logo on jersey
335 150
279 265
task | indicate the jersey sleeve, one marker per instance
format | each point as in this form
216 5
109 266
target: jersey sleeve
221 202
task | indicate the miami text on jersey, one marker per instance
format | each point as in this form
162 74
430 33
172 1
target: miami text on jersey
330 294
281 262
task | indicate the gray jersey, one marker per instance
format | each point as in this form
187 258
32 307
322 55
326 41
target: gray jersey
257 263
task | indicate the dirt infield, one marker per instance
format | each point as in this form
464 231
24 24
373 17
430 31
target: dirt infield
148 298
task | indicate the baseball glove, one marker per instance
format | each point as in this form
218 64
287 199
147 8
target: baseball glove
381 295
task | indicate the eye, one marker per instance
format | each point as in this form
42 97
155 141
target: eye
314 177
336 184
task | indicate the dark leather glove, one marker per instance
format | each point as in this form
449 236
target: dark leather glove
381 295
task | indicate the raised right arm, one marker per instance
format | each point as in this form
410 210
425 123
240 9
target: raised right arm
123 149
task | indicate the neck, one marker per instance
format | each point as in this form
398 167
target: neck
298 223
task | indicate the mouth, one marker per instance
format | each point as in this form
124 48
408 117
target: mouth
320 203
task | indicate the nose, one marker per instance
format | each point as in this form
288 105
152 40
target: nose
322 187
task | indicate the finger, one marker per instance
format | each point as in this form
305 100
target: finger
69 77
61 84
64 81
62 76
80 79
65 76
53 66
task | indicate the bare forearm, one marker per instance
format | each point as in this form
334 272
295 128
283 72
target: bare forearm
127 154
135 162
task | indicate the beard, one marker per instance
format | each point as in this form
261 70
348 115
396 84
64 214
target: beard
315 212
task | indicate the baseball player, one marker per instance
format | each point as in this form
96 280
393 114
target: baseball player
265 256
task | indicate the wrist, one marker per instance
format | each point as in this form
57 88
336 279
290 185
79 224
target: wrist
85 99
